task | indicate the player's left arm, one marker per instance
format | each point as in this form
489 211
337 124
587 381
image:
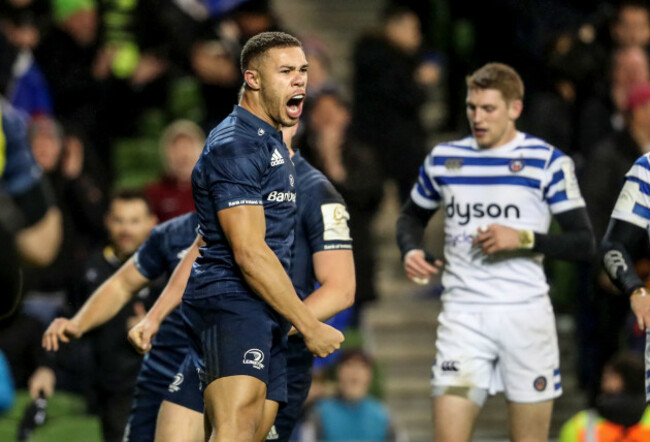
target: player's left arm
622 244
144 331
334 270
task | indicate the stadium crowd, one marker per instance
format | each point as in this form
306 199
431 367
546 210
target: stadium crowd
115 99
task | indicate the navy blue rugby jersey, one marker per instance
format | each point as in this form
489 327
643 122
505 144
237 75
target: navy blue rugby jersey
321 224
159 255
244 162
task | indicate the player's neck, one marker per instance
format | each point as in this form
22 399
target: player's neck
251 102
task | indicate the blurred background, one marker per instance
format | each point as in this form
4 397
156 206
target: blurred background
119 94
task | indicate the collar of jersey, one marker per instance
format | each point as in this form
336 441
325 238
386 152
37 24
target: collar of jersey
519 138
256 122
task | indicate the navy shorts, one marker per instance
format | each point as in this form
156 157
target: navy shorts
141 426
238 334
185 390
299 374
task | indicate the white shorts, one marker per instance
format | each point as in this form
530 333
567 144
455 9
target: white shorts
514 351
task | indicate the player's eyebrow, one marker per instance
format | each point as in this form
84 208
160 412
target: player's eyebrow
292 67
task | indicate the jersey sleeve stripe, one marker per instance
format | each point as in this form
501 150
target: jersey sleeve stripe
423 200
643 162
555 156
641 210
425 181
643 186
488 180
558 197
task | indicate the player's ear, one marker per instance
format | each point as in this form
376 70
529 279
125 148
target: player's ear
515 108
252 79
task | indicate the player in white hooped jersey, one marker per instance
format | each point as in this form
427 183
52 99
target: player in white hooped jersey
499 189
625 240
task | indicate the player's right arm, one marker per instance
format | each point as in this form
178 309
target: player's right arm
245 229
411 223
102 305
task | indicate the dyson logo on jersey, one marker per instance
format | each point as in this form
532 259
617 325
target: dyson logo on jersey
479 210
289 197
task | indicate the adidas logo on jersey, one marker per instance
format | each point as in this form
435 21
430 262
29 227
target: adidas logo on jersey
276 158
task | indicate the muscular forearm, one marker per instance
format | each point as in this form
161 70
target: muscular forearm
110 297
327 301
265 275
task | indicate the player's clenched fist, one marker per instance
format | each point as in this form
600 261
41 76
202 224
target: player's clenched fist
141 335
61 329
323 340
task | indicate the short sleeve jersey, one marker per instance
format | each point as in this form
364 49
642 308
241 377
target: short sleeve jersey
157 256
518 185
633 204
20 171
321 224
244 162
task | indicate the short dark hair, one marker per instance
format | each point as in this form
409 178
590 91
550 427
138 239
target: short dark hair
131 195
260 43
498 76
630 367
395 11
356 354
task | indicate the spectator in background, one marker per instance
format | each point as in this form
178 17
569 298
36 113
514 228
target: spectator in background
30 223
352 415
388 93
631 25
329 145
116 365
31 367
603 112
66 57
181 144
21 79
621 414
82 205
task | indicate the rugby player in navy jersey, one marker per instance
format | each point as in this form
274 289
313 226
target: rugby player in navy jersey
626 240
157 256
321 253
239 302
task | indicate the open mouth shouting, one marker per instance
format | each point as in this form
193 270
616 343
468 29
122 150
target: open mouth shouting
294 106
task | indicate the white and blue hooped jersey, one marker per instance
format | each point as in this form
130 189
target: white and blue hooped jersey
518 185
633 204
